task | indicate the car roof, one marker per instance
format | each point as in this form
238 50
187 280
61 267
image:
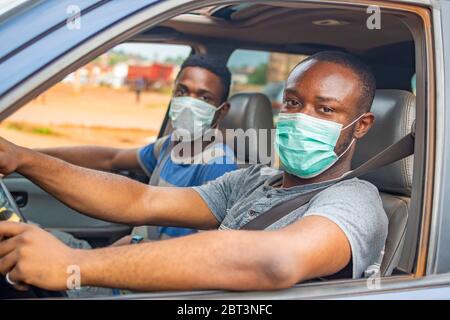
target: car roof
306 28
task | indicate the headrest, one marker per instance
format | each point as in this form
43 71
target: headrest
249 111
395 112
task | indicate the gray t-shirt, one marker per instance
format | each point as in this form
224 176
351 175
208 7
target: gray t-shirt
354 205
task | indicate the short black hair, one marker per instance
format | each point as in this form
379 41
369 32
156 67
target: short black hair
362 70
214 65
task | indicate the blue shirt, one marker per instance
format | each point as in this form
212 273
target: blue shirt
218 159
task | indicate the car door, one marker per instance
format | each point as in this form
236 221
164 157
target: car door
37 205
100 109
40 207
17 87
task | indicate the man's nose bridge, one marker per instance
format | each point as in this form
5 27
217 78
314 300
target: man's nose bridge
193 94
308 109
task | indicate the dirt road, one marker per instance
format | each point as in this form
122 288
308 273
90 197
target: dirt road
94 115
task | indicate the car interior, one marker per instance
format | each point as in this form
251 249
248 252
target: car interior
297 28
390 52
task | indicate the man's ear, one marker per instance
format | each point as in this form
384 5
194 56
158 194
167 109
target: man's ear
221 114
364 124
224 111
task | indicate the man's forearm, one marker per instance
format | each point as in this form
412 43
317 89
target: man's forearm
98 194
93 157
208 260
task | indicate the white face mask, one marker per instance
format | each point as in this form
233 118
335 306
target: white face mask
191 117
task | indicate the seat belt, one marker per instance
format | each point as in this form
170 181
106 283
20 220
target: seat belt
152 232
398 151
154 178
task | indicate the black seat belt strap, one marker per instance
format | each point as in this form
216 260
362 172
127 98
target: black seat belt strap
398 151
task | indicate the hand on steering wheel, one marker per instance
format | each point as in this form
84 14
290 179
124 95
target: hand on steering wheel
31 256
16 285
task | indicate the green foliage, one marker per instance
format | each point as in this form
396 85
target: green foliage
14 126
43 130
116 58
174 60
31 129
259 76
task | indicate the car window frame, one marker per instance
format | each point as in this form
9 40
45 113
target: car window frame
438 258
160 12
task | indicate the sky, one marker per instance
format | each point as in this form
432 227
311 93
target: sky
162 51
152 51
248 58
6 5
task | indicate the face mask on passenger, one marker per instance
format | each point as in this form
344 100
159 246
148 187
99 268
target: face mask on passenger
306 144
191 117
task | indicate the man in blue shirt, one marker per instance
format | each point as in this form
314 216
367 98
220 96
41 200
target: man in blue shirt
198 104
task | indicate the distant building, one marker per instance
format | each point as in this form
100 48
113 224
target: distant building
119 75
239 78
281 64
241 75
155 76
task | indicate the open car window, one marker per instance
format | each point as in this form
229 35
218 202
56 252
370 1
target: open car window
118 100
262 71
394 53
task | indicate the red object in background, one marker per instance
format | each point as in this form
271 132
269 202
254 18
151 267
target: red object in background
156 73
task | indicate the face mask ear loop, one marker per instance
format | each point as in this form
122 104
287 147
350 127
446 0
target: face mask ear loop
353 141
356 120
348 148
217 110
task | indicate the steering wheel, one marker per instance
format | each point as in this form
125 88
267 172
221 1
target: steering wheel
8 292
9 211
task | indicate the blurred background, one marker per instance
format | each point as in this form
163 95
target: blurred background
120 98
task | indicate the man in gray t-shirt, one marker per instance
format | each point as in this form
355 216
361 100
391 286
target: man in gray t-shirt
354 205
339 233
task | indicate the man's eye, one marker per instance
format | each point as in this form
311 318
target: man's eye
179 93
291 103
326 109
205 98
